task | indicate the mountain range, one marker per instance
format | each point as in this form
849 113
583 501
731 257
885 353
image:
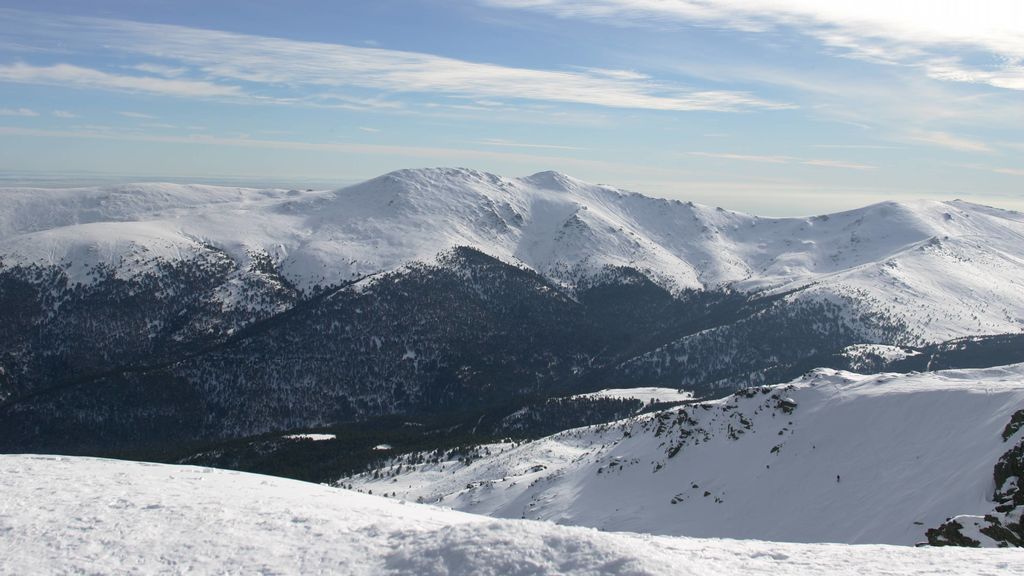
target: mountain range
169 318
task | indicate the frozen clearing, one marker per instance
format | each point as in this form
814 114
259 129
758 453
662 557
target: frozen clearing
643 394
313 437
67 515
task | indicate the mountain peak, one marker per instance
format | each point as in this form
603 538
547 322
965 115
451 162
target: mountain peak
435 174
553 180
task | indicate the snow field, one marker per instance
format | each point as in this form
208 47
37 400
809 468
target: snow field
68 515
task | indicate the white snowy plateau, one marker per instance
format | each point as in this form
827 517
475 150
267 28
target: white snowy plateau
945 269
67 515
830 457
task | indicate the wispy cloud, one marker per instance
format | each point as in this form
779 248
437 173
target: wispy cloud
369 129
1009 171
63 114
314 70
939 35
778 159
436 153
139 115
160 69
744 157
79 77
1006 75
994 169
510 144
857 146
24 112
951 141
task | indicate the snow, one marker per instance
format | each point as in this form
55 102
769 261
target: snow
911 449
313 437
971 528
944 268
69 515
886 353
645 394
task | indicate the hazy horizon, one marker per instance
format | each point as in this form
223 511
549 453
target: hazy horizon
790 107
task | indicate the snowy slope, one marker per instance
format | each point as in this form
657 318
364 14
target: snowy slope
644 394
859 459
945 269
62 515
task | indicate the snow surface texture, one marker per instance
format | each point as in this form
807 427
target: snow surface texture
62 515
831 457
310 436
946 269
644 394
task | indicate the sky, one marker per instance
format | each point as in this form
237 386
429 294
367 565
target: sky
776 107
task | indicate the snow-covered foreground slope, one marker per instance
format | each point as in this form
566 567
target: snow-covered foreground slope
945 269
831 457
61 515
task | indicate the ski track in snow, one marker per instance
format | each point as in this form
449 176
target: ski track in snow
71 515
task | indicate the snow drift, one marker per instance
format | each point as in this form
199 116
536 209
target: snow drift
64 515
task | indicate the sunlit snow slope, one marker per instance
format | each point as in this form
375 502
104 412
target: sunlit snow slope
946 269
63 515
831 457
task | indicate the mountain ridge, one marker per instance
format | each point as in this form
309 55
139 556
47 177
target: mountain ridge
561 227
830 457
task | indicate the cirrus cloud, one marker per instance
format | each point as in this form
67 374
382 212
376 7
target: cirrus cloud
314 71
943 37
79 77
23 112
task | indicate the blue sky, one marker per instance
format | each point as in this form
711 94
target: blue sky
767 106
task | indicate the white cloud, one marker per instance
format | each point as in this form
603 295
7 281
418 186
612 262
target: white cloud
64 114
1008 76
744 157
778 159
835 164
139 115
423 152
510 144
994 169
369 129
1010 171
935 34
857 146
947 140
24 112
161 70
79 77
321 68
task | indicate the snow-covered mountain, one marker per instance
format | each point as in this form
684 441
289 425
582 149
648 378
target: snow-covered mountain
945 269
831 457
156 314
63 515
